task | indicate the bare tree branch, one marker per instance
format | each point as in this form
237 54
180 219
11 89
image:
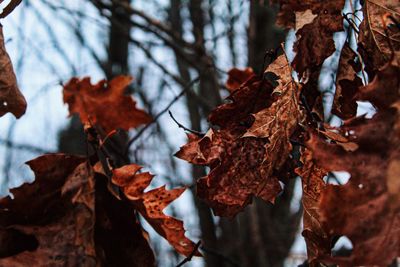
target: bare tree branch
176 98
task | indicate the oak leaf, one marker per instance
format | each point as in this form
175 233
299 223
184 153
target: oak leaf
314 22
315 40
347 84
104 104
366 209
68 217
11 99
373 39
384 90
295 13
151 205
242 157
318 240
54 212
119 235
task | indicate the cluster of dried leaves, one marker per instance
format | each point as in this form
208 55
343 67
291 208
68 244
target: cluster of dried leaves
82 210
256 137
77 203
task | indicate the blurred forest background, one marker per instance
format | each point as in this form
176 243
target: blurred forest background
171 48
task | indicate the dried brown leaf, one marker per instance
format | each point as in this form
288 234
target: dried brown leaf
315 40
237 77
68 218
347 84
384 90
151 205
315 22
104 104
11 99
367 208
373 39
296 13
242 155
317 239
54 212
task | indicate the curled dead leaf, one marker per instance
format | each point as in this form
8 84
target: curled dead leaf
374 34
11 99
318 240
314 22
151 205
250 144
347 84
61 224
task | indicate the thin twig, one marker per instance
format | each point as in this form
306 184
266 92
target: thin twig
193 253
334 177
26 147
9 8
351 22
176 98
185 128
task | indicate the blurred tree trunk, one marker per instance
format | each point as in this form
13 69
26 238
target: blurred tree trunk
207 227
209 86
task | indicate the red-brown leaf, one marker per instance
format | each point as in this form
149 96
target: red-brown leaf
237 77
244 155
315 40
104 104
373 38
11 99
347 84
383 91
317 239
52 221
367 208
56 212
151 205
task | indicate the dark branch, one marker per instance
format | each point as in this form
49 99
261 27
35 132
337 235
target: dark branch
200 134
193 253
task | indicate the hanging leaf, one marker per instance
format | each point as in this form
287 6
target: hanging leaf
366 209
318 241
151 205
383 91
55 213
104 104
11 99
120 239
245 157
347 84
373 38
315 40
295 14
67 217
314 22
